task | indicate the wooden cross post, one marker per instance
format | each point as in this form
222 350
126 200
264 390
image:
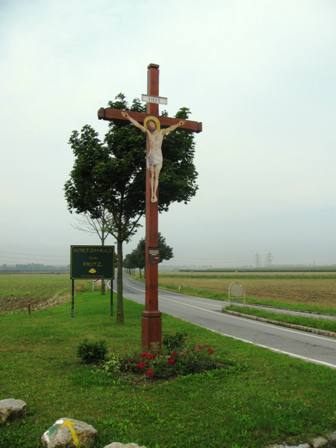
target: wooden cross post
151 318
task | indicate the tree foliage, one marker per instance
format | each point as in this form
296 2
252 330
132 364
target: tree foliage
136 259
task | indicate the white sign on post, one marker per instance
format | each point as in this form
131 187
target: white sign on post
154 99
236 291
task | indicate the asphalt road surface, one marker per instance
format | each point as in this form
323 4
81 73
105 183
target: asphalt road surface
207 314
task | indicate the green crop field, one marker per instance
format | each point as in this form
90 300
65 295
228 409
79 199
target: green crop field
17 290
263 398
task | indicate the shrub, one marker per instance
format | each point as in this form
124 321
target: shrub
175 341
112 365
196 360
92 351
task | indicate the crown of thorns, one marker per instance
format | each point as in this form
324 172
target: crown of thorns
154 119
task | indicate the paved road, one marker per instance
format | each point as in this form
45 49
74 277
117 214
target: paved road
207 314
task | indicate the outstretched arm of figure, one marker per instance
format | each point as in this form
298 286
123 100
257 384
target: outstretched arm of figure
173 127
136 123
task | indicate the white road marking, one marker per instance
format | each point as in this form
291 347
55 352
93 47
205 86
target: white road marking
293 355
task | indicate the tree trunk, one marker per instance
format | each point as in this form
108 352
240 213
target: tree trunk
103 288
120 302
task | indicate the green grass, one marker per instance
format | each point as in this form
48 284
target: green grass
200 292
306 307
265 398
322 324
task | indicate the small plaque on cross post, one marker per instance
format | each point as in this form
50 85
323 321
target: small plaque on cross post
154 99
154 255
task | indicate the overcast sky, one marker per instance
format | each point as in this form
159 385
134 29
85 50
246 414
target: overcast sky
259 74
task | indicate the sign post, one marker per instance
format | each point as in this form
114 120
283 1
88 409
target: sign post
111 297
91 262
72 297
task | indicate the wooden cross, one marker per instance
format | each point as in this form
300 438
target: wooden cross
151 318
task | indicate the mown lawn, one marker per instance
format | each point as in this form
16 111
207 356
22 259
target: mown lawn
264 398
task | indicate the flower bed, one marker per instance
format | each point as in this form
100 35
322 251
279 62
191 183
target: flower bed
165 365
194 359
177 358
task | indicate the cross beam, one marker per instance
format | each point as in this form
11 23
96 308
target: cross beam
111 114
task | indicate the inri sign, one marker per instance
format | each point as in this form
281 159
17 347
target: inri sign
154 99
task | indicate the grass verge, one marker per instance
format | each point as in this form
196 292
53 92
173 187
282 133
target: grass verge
200 292
322 324
305 307
265 398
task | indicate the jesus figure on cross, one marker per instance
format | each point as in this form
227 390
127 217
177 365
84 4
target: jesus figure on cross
155 137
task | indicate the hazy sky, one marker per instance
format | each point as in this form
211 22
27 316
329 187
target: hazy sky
259 74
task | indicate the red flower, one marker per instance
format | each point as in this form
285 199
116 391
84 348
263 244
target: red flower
149 373
141 365
147 355
173 354
171 361
210 350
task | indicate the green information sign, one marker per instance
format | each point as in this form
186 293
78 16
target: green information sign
92 262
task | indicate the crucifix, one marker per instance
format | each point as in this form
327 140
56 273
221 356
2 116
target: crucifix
155 127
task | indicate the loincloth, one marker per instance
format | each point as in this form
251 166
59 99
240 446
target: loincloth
154 159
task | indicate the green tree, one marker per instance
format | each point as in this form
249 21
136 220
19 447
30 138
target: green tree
130 262
110 174
137 256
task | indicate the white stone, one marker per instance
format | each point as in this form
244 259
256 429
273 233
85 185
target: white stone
276 446
11 409
319 442
123 445
301 445
69 433
332 437
237 290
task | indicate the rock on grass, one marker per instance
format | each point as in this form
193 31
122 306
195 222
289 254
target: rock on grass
69 433
11 409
